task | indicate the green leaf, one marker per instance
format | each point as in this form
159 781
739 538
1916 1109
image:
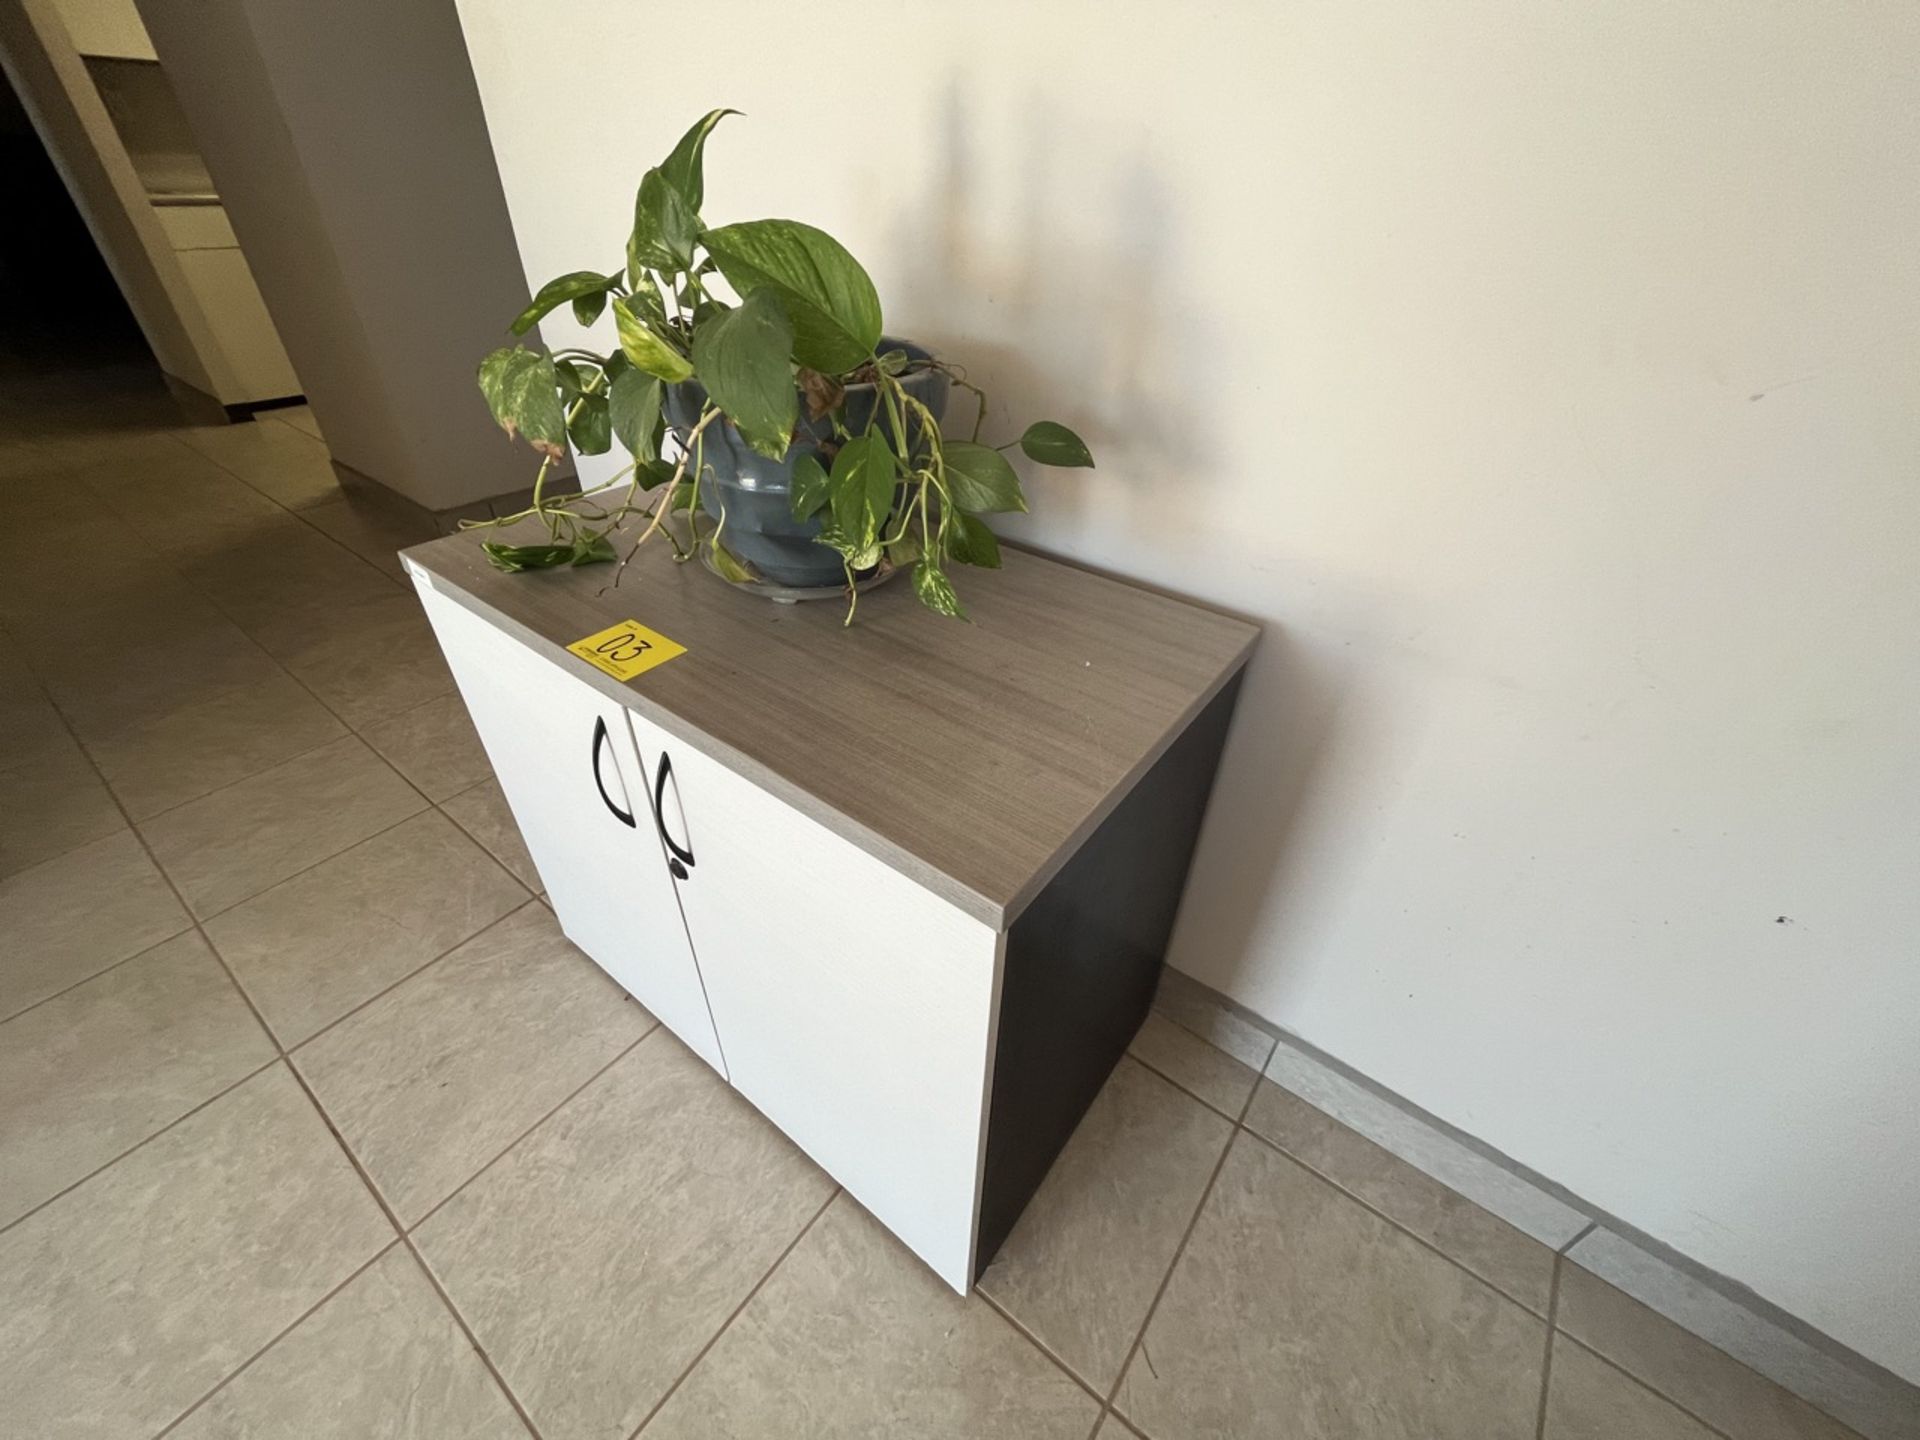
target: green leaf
589 430
652 474
523 391
514 558
811 487
556 293
863 479
970 542
830 299
645 347
936 591
741 357
731 570
591 549
683 168
664 227
633 410
587 308
981 479
1052 443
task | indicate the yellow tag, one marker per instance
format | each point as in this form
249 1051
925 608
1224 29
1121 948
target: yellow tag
627 649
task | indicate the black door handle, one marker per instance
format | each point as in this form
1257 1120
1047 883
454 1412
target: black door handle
625 817
679 857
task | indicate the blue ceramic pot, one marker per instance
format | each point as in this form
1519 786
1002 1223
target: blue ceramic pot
756 492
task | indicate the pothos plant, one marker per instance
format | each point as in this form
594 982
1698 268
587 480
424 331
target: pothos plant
771 317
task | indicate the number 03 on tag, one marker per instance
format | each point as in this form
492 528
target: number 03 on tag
627 649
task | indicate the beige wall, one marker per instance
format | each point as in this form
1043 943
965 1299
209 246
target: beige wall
348 147
1544 378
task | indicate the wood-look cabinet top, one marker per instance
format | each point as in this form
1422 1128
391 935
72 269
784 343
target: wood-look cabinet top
973 757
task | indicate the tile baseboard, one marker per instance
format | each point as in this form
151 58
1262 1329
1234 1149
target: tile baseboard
1767 1340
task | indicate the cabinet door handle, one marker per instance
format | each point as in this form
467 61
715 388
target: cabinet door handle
625 817
680 858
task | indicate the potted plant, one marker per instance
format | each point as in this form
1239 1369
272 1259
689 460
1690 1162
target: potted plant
807 446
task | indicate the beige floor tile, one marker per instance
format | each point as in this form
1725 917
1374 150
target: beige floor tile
367 659
31 730
93 1072
140 655
371 530
1296 1311
69 918
438 1076
133 1295
301 417
482 812
280 461
1181 1001
604 1250
234 843
1499 1254
187 509
380 1358
435 746
200 747
50 806
1085 1260
854 1337
268 584
315 946
1196 1066
1587 1399
1699 1378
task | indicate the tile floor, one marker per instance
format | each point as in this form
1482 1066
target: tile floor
311 1123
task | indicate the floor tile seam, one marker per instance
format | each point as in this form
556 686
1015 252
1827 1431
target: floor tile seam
143 1142
1422 1241
313 694
833 1194
297 514
229 908
485 849
547 1115
1179 1252
1546 1361
1641 1384
89 979
400 1231
241 779
1186 1090
1207 1040
278 1336
393 985
1057 1361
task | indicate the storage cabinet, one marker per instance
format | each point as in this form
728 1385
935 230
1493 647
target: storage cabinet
906 886
566 764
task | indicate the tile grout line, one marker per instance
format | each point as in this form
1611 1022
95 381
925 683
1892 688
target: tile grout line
1180 1250
1422 1241
509 1147
298 1321
142 1143
366 1179
103 970
1034 1340
1187 1090
1546 1360
1665 1399
385 990
737 1311
353 1160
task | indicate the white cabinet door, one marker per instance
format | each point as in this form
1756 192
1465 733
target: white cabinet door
565 760
857 1008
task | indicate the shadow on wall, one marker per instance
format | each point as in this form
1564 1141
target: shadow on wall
1091 331
1103 338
